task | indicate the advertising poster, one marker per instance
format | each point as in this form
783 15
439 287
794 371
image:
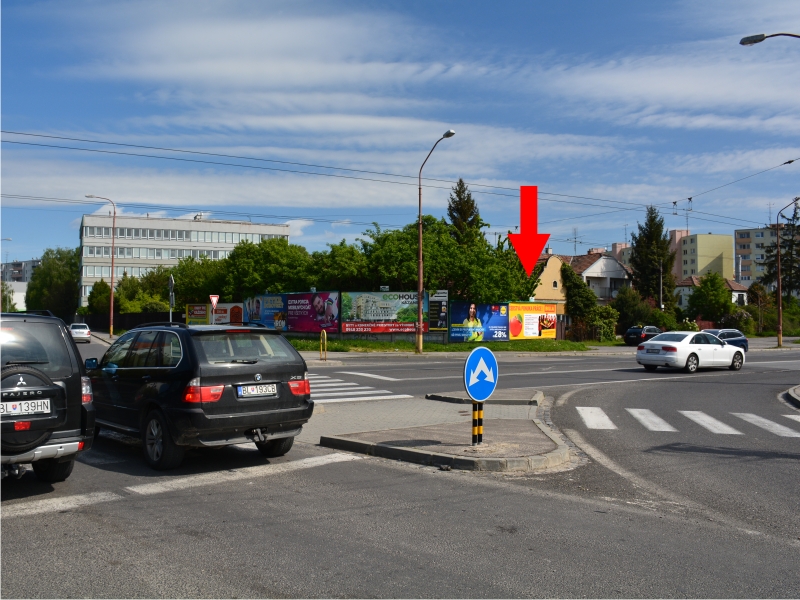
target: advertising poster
229 312
529 320
470 322
437 311
197 314
268 309
313 312
382 312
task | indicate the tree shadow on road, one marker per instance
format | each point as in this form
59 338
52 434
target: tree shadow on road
681 448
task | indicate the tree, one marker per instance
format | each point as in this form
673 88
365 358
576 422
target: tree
54 283
711 300
196 279
125 295
156 282
581 300
632 309
8 298
100 298
651 259
342 267
462 210
789 243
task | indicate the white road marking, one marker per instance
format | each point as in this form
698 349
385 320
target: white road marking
52 505
650 420
595 418
361 398
193 481
360 392
370 375
795 417
333 385
709 423
770 426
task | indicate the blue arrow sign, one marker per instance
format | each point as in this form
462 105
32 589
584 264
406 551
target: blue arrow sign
480 374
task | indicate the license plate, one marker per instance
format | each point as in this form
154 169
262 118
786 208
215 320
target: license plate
25 407
652 351
266 389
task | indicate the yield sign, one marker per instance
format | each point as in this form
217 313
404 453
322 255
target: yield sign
214 300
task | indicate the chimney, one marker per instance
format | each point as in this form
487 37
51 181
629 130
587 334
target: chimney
548 250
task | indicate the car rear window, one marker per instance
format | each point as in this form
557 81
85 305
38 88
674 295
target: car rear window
78 326
241 346
670 337
39 345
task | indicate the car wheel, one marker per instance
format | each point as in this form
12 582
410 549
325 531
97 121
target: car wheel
737 362
51 471
691 364
650 367
160 451
275 448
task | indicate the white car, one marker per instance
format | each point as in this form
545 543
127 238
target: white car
80 332
688 350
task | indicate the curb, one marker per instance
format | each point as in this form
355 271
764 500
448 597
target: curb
553 458
535 399
99 339
315 362
793 396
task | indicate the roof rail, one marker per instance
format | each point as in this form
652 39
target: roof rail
242 323
162 324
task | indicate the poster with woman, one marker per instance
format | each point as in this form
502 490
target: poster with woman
472 322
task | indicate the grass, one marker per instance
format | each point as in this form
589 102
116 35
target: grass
403 346
615 343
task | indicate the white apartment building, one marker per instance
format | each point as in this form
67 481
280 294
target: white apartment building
19 271
751 245
142 243
370 308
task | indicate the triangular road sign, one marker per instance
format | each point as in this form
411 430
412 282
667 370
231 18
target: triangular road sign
214 300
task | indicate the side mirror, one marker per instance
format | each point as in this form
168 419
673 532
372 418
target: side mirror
91 364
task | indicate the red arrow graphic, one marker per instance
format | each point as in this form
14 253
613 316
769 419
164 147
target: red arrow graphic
529 243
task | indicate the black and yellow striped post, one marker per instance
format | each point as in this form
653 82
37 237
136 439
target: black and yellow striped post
477 423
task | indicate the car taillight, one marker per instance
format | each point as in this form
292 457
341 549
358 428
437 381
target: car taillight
640 347
669 348
642 334
22 425
81 445
300 388
86 390
194 392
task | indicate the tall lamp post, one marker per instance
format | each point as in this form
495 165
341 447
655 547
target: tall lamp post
420 293
755 39
113 235
780 290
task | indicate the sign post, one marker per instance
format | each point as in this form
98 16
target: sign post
480 380
171 296
214 299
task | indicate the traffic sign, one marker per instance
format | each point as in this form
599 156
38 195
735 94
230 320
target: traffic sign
480 374
214 300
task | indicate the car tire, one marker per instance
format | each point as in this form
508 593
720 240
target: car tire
275 448
51 471
737 362
160 451
24 441
691 364
650 367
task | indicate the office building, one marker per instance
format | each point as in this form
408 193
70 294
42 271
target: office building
700 254
751 245
142 243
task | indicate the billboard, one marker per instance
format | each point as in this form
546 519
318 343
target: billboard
197 314
268 309
382 312
228 312
530 320
437 311
471 322
312 312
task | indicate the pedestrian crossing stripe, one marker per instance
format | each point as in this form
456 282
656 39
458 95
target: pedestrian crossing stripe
325 390
595 418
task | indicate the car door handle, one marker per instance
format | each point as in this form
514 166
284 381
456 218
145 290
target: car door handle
146 378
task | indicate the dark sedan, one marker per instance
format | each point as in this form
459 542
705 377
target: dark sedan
734 337
638 334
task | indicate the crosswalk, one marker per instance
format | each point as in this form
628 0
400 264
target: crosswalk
594 417
326 390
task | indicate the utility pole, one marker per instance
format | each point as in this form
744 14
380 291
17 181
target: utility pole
574 241
660 284
171 296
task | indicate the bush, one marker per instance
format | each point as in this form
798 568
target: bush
604 320
687 325
665 320
739 319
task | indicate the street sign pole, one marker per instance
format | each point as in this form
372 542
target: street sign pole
480 380
171 296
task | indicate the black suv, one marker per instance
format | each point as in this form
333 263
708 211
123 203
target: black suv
47 414
177 386
638 334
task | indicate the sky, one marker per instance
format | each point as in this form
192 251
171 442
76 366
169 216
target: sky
326 110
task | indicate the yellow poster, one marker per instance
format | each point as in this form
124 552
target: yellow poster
529 320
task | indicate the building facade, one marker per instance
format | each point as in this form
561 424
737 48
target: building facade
142 244
19 271
701 253
751 245
685 288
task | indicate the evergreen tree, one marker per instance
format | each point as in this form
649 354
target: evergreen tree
789 238
711 300
54 283
100 298
650 251
632 309
581 300
464 215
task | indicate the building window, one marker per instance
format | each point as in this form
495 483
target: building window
771 234
692 250
759 267
760 234
685 252
692 271
745 267
685 272
745 256
691 241
744 235
684 242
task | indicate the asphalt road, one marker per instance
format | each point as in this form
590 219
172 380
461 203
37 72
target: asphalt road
639 513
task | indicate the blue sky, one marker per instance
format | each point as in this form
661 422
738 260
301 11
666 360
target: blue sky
626 103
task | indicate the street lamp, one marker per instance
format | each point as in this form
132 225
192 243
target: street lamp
113 235
420 293
756 39
780 291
